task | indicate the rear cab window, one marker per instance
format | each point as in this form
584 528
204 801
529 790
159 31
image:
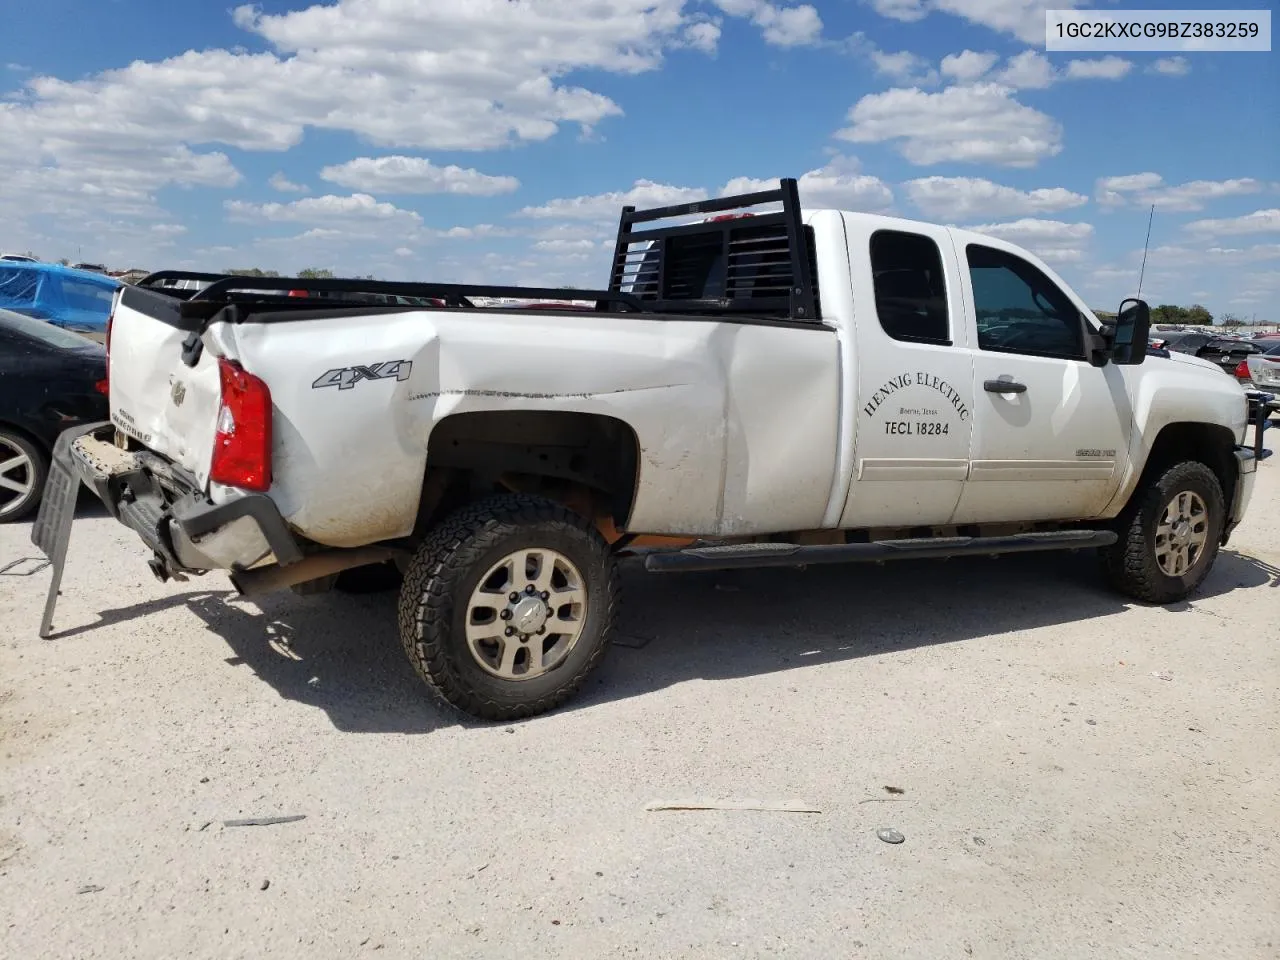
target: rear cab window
910 287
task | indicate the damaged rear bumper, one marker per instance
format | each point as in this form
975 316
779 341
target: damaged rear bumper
185 530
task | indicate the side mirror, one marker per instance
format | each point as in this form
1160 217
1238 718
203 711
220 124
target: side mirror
1132 327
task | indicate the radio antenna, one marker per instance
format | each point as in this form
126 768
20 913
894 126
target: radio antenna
1145 244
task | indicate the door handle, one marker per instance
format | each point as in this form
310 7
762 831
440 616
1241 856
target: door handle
1004 386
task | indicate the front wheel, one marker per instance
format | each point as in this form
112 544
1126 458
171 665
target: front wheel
1169 541
508 605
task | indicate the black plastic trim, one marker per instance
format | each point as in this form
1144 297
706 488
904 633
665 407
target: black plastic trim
796 555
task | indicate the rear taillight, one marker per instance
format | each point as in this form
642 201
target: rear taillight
242 443
1242 370
299 293
103 386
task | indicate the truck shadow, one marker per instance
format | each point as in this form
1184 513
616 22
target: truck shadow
340 652
337 652
743 623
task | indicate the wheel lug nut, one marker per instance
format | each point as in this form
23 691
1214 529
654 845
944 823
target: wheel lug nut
506 614
530 589
541 631
511 631
545 595
514 596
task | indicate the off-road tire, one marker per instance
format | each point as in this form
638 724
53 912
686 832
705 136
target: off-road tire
17 510
446 569
1130 563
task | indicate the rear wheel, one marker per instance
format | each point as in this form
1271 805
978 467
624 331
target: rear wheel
1169 540
508 605
23 470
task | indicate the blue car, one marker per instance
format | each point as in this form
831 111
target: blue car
72 299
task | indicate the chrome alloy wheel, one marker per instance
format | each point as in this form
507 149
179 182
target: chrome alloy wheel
17 477
526 614
1181 534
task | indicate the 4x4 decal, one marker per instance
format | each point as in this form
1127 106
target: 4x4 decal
344 378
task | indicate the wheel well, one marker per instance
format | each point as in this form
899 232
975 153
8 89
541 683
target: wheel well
586 460
1206 443
39 443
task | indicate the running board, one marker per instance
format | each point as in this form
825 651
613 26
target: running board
741 555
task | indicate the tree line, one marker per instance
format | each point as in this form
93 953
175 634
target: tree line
1196 315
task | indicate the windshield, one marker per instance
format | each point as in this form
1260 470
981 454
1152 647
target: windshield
44 332
1273 350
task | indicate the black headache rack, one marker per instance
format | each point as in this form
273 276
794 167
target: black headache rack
756 264
218 290
744 264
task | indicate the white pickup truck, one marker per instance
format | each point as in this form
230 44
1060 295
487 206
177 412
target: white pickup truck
753 389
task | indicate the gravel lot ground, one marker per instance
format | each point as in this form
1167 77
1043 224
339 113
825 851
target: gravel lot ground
1059 799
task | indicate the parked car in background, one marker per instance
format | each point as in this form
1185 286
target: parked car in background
1226 352
90 267
1262 369
18 258
63 296
50 379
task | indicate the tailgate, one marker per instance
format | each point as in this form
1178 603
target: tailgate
156 398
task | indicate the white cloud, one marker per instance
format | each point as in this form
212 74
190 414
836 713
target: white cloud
1028 70
566 246
1171 66
403 252
607 206
400 175
1103 68
956 198
782 26
282 183
1144 189
1031 70
1173 255
1260 221
450 74
1023 19
475 232
968 65
972 124
1050 240
903 66
704 36
838 185
359 207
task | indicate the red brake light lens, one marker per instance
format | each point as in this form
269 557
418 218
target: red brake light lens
242 443
103 386
1242 370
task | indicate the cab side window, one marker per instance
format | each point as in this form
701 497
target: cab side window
910 288
1019 309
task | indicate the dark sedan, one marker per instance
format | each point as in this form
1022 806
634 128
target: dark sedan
1226 352
50 379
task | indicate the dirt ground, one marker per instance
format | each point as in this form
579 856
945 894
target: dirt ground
1081 777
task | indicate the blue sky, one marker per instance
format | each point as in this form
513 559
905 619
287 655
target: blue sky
478 140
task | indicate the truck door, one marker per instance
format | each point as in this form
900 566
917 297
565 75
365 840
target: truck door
1051 431
914 376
